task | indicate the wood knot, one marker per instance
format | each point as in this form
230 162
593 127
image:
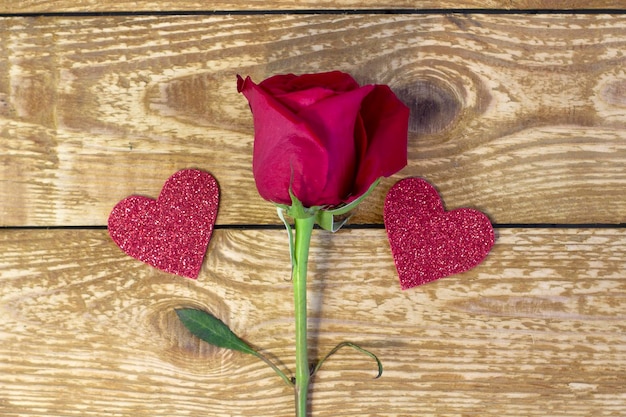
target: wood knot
200 99
615 93
434 106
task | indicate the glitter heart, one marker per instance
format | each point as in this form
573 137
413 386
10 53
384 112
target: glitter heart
427 242
171 233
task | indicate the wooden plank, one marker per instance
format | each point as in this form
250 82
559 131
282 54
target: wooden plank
538 329
62 6
521 116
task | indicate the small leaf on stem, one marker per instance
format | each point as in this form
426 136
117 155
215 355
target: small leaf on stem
212 330
356 347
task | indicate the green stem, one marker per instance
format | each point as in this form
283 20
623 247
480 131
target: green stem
304 229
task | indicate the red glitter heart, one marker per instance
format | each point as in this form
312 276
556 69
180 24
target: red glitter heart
171 233
428 242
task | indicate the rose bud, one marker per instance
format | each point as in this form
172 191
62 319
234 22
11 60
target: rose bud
323 137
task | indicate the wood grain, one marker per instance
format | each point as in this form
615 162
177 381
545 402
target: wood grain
521 116
61 6
538 329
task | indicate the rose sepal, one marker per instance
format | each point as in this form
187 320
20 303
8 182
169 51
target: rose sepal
297 210
325 218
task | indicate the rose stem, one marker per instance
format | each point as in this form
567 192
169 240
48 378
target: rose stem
304 229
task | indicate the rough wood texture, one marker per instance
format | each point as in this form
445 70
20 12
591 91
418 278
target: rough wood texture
538 329
94 109
522 116
58 6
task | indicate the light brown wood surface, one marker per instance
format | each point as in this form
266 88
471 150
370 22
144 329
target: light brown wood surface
521 115
60 6
536 330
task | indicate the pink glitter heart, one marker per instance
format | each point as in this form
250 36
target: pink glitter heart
427 242
171 233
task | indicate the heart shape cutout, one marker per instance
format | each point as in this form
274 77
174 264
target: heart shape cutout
173 232
427 242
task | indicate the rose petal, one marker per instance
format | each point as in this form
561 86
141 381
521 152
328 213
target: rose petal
386 120
298 100
334 80
333 121
286 152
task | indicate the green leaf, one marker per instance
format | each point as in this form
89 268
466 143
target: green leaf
212 330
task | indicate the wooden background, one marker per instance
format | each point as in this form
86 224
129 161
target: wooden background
517 112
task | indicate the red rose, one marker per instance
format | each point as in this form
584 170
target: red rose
324 136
